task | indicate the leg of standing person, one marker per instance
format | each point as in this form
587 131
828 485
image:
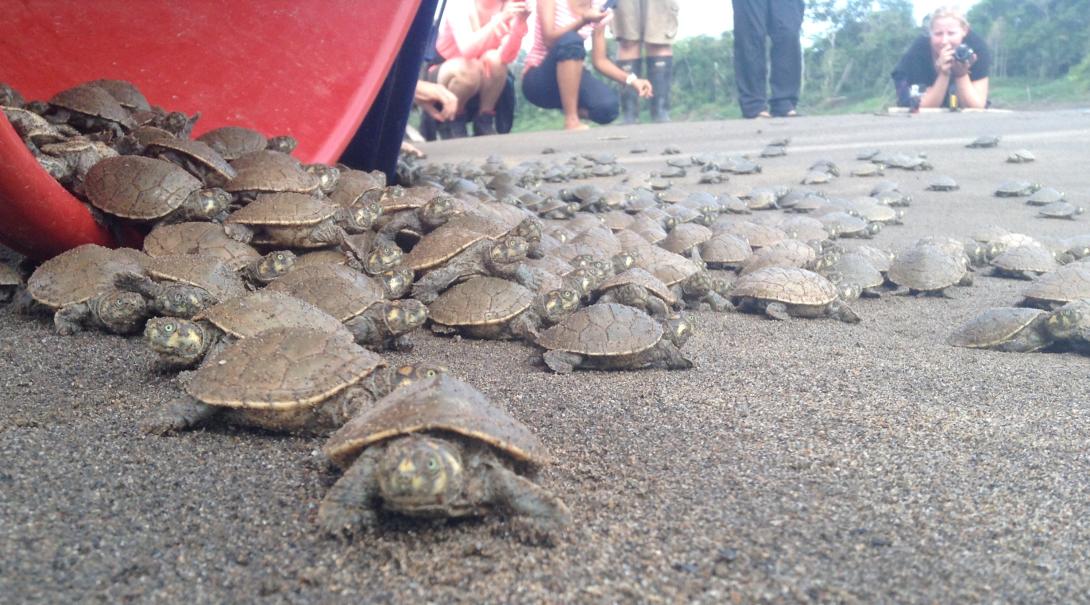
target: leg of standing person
660 30
627 28
784 27
750 68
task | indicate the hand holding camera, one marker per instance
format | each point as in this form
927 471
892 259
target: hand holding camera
964 57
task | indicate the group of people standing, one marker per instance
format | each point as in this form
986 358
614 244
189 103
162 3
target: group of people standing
478 39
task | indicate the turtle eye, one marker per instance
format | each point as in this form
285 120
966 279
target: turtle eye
168 328
429 373
432 464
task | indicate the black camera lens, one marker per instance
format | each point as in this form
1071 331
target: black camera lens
963 53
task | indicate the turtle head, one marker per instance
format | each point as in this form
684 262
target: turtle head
382 258
677 329
420 474
1079 252
438 210
327 176
510 249
183 300
397 281
848 290
284 143
179 124
529 228
826 261
273 265
622 261
581 281
180 339
994 249
404 316
1063 323
403 376
212 202
977 253
122 312
558 304
698 284
872 228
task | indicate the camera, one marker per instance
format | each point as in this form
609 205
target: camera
963 53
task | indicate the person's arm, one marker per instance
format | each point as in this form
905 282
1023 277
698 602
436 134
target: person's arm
547 14
472 42
509 49
935 95
435 100
971 93
609 69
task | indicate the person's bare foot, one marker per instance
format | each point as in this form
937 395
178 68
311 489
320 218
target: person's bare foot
574 124
409 149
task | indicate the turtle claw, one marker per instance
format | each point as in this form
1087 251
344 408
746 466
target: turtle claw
345 522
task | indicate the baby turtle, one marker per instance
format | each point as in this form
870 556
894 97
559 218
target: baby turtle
1069 325
1060 210
199 159
181 285
785 292
610 336
269 172
1009 329
1045 196
436 449
788 253
725 251
856 268
1016 188
184 343
869 170
294 220
90 108
1024 262
497 258
638 288
1052 290
10 281
497 309
984 142
233 142
927 269
1021 156
198 237
78 286
284 379
943 183
150 189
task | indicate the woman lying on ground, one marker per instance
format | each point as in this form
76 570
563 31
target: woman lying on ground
934 65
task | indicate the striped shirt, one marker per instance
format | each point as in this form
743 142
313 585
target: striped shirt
563 17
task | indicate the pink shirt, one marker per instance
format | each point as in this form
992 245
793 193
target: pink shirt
458 38
563 18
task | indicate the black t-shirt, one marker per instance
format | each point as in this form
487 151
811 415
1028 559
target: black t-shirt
917 67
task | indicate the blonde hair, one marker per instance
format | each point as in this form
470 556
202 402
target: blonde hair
948 12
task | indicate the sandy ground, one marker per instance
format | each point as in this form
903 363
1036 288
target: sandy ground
799 461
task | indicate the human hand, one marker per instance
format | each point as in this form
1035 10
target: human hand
945 60
959 69
593 15
436 100
516 10
643 87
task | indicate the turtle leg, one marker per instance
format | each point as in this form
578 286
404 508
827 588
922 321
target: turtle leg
428 288
840 310
562 362
525 277
350 504
717 302
70 319
364 330
777 310
180 415
524 497
137 282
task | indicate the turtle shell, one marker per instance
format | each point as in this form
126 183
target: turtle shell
598 242
758 236
789 285
926 268
282 369
195 150
856 268
233 142
685 236
993 327
845 223
1059 210
32 126
199 270
283 209
139 188
335 289
603 330
270 171
480 301
788 253
1015 188
642 278
124 92
79 274
669 267
1035 259
618 219
1064 285
725 250
398 198
352 184
441 403
444 242
93 101
1044 196
199 238
248 315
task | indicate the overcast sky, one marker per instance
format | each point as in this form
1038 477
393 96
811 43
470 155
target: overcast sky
712 17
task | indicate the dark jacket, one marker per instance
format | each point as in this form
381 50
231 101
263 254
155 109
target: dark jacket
917 67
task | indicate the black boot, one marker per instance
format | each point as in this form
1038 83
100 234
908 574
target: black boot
660 71
630 100
453 129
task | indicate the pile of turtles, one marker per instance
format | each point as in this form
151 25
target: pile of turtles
279 284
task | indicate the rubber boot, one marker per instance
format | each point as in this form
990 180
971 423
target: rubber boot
630 99
660 71
453 129
484 124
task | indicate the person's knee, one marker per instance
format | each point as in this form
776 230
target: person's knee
465 71
569 47
605 109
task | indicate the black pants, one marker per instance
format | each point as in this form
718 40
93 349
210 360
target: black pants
781 22
539 84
